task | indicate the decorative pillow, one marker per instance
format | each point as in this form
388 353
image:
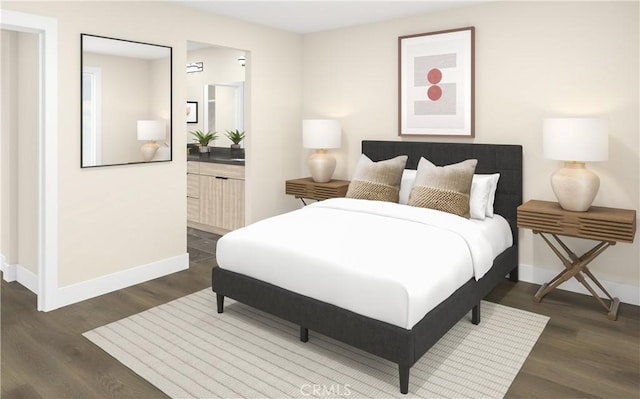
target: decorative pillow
492 194
444 188
406 184
378 181
479 196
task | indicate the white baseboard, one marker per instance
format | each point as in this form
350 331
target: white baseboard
20 274
27 278
626 293
102 285
8 271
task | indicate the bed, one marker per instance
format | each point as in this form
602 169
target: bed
403 337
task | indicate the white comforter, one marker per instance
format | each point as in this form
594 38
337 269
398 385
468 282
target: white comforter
387 261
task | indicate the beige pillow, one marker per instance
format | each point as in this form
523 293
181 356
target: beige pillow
444 188
379 181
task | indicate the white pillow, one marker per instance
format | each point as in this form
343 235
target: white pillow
492 194
479 196
483 191
406 184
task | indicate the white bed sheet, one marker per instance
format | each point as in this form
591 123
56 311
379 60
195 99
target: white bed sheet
497 231
386 261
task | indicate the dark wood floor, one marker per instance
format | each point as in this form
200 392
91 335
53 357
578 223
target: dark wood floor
580 354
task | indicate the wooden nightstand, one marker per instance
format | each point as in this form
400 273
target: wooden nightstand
607 225
307 188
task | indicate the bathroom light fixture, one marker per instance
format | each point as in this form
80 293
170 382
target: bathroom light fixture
242 60
321 134
194 67
151 130
575 141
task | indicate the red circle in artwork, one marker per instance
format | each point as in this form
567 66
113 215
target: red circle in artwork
434 93
434 76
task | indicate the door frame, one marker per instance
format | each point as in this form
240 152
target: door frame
47 30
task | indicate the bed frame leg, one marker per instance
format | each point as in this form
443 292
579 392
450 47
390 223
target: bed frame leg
304 334
220 300
403 371
475 314
513 275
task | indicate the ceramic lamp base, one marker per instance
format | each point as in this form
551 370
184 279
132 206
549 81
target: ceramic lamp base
321 165
163 153
148 150
575 186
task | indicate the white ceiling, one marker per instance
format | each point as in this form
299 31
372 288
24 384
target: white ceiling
305 16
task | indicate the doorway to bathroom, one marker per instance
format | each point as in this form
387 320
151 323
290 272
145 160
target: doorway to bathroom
29 160
215 178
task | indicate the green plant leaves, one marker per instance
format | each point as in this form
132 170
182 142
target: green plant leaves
235 136
203 138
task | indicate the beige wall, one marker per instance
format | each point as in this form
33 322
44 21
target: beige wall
533 60
27 151
19 150
116 218
9 148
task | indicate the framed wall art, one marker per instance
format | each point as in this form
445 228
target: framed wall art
436 83
192 112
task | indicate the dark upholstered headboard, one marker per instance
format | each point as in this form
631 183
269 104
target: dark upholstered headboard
492 158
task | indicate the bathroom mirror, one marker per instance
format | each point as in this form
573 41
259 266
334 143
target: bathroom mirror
126 102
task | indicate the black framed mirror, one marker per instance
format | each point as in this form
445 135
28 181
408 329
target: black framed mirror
126 102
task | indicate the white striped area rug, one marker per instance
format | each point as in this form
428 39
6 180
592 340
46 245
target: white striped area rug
188 350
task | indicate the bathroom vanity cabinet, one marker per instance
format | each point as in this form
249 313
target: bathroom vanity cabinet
215 196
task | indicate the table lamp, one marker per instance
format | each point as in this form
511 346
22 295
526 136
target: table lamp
321 134
150 131
575 141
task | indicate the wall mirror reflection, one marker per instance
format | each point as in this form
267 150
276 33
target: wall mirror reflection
218 87
126 102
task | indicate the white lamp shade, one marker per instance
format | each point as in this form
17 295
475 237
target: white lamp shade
575 139
152 130
321 133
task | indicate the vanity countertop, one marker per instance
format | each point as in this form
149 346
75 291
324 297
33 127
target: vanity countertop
217 155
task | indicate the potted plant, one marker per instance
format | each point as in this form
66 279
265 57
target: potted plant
203 139
235 136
